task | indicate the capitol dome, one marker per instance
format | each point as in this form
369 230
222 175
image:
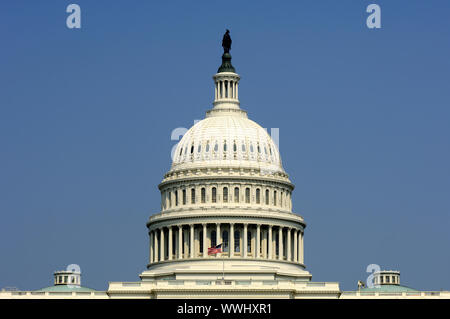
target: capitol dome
226 191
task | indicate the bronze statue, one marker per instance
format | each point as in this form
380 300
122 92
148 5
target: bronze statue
226 42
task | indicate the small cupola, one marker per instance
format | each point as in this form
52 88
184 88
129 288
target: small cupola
65 277
386 277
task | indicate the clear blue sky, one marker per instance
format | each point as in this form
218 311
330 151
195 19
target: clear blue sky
86 117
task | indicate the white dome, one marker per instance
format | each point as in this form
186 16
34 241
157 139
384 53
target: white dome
227 141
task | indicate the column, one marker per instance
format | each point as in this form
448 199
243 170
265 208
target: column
170 242
264 244
258 241
301 248
245 241
156 246
218 234
192 241
186 244
295 246
180 242
205 247
231 241
288 237
237 90
269 242
162 253
150 233
280 243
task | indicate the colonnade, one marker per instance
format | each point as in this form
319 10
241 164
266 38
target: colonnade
226 89
239 240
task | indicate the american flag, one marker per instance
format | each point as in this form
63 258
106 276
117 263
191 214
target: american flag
215 249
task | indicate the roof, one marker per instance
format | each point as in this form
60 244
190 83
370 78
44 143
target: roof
389 288
66 288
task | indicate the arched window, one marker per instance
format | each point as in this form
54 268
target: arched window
170 199
225 194
251 148
225 240
243 147
224 146
216 147
199 149
234 147
258 196
193 196
226 88
237 239
236 194
247 195
203 195
176 198
249 241
281 199
275 198
207 147
267 197
214 194
184 197
192 148
200 234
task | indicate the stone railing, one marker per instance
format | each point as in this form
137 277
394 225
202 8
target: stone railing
53 295
305 285
399 295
